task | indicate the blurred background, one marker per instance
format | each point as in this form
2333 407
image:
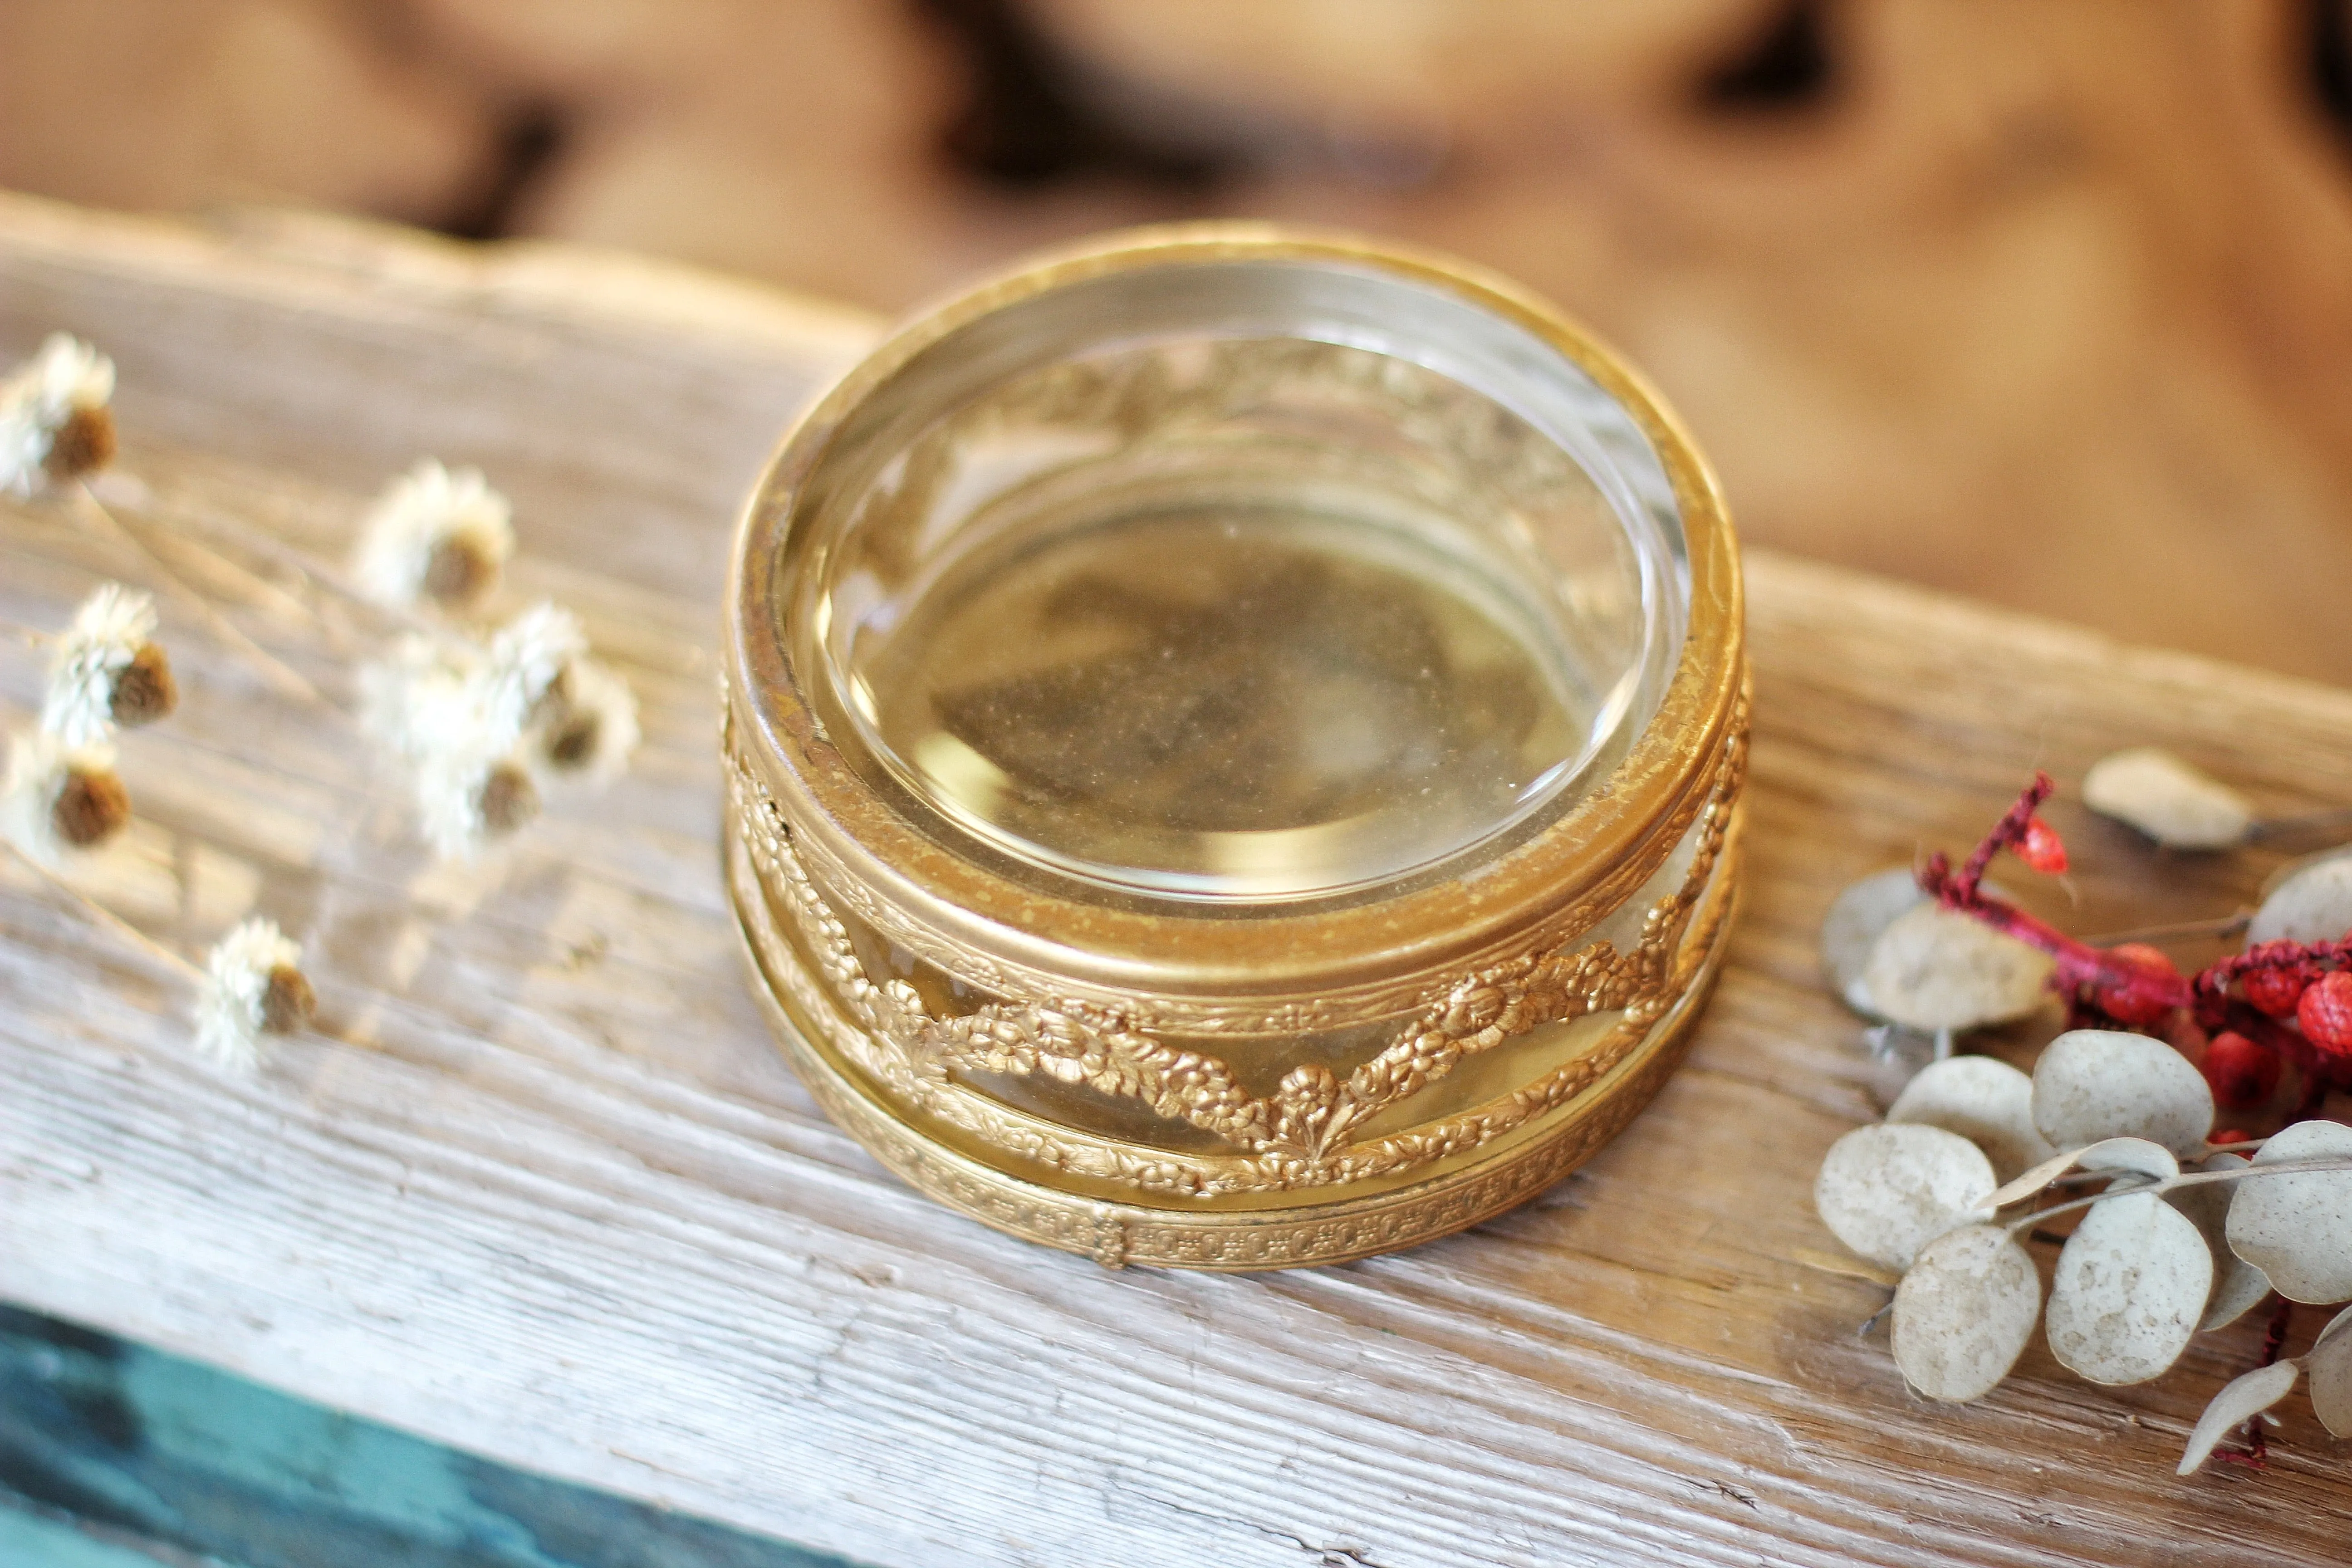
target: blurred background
2049 302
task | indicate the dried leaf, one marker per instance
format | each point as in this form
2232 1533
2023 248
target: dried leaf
2330 1366
2241 1400
2313 905
2095 1084
2151 1160
1986 1102
2130 1285
1853 927
2164 797
1933 969
2237 1284
2297 1229
1886 1191
1965 1312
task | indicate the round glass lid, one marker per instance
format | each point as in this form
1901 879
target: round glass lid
1244 584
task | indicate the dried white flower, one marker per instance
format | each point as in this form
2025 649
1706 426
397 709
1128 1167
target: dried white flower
525 658
253 984
475 719
588 724
464 802
427 699
54 418
434 533
107 670
57 798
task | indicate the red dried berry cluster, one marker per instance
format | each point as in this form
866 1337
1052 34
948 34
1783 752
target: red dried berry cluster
2292 1001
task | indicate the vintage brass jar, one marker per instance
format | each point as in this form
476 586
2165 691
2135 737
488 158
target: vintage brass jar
1235 740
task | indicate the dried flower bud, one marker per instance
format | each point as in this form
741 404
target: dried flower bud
2243 1072
82 445
436 533
145 690
53 419
587 723
507 798
2326 1013
110 643
253 983
92 806
288 1003
460 569
58 799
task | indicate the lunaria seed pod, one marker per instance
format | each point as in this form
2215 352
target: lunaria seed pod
2298 1227
2129 1290
1986 1102
1935 970
2237 1284
2093 1084
1887 1190
1965 1312
2314 904
2179 805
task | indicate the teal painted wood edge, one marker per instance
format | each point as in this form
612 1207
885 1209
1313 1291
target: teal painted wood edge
153 1451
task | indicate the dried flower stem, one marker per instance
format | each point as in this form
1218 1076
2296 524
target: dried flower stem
98 913
2186 1179
316 574
280 673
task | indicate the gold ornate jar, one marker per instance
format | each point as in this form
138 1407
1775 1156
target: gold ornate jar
1235 740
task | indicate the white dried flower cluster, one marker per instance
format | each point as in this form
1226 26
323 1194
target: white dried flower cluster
2183 1237
58 798
253 985
435 533
88 695
54 418
481 724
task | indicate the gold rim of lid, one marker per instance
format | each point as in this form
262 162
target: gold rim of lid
1111 945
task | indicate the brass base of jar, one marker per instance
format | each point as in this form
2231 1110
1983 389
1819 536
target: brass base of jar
1328 1223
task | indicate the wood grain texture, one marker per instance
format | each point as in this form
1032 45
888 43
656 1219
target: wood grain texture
542 1189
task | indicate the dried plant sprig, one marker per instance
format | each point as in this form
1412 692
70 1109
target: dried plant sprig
57 799
435 534
479 721
56 423
107 670
280 673
2131 983
253 985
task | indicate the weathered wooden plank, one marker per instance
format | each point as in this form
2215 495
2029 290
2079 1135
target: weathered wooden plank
542 1189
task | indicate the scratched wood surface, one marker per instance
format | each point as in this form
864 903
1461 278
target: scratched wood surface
539 1188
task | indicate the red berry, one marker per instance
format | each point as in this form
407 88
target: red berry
2326 1013
2229 1135
2140 1003
2241 1072
2041 848
2276 991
